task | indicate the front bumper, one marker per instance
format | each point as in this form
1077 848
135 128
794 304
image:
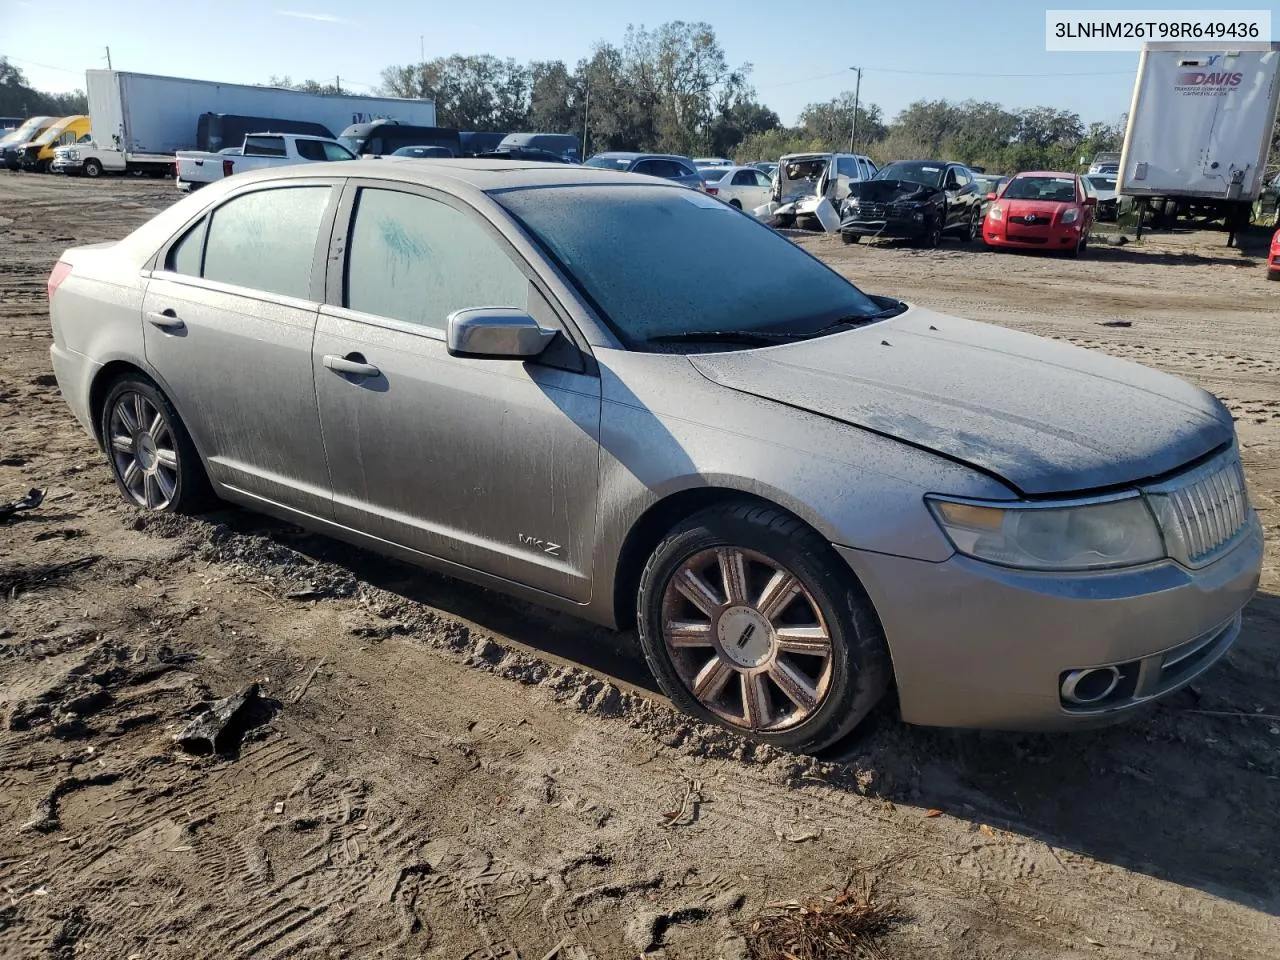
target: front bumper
976 645
1030 237
893 228
64 165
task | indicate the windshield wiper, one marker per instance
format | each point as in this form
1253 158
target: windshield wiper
754 338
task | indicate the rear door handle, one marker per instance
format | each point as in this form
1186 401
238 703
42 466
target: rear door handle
352 363
165 320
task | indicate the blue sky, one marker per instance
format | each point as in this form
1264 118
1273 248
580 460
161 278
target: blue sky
923 49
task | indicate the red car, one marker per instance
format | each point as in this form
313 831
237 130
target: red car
1041 210
1273 261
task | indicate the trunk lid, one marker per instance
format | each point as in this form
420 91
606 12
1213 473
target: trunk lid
1045 417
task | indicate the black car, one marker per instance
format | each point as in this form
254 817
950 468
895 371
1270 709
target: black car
918 200
526 154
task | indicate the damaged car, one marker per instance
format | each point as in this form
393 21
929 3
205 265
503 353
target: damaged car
811 185
917 200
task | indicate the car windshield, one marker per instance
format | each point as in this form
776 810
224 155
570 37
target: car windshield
665 261
915 171
610 163
22 134
1054 189
713 174
1103 183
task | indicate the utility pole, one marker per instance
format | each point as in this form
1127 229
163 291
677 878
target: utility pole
108 58
857 89
337 82
586 121
422 49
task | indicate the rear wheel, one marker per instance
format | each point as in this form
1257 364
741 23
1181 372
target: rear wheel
974 231
153 460
748 620
736 204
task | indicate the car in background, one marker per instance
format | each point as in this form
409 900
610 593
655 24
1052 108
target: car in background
620 398
805 180
917 200
987 185
475 143
195 169
743 187
1041 210
526 155
566 145
665 165
424 152
712 162
14 143
381 138
38 153
1104 187
1273 259
767 167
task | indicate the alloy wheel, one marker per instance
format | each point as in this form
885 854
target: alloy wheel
143 450
747 639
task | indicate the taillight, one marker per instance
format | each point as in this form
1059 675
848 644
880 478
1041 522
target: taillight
226 168
714 191
61 270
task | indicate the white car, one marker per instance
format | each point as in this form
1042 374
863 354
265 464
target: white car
743 187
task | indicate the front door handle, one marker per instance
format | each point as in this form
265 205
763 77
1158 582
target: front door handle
352 363
165 320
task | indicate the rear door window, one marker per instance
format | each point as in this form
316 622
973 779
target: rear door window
266 240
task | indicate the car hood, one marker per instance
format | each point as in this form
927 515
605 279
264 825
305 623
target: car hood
1044 417
890 191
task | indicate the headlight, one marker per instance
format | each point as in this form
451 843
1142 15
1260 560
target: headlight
996 212
1070 215
1115 533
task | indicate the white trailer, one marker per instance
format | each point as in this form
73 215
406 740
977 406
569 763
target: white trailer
1199 129
140 120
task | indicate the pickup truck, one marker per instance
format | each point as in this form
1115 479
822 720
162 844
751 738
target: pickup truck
195 168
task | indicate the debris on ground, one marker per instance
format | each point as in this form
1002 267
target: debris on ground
850 925
1115 323
32 499
220 727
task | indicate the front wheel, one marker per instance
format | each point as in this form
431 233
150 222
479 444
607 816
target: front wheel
850 237
153 460
92 168
748 620
932 238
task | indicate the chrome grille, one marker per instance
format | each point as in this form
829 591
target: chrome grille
1204 511
871 211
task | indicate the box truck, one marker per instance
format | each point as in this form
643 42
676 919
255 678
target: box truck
140 120
1199 130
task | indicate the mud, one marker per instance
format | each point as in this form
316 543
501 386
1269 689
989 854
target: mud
448 773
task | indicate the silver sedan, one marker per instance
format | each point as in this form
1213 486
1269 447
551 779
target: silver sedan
622 398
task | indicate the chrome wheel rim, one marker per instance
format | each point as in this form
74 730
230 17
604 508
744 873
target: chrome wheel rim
143 451
747 639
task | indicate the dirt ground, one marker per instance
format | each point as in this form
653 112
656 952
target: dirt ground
436 771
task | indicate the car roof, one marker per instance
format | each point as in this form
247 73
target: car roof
462 175
633 155
1044 173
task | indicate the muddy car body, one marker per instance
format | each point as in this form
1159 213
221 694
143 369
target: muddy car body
918 200
799 493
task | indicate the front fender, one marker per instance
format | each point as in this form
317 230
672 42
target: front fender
666 430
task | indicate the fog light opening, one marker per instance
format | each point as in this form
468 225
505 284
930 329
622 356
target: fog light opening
1084 687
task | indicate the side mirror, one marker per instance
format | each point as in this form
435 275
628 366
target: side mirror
991 196
1090 201
496 333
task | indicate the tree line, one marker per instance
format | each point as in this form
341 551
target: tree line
19 99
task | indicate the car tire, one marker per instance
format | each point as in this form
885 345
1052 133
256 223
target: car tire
933 236
850 237
736 204
92 168
153 460
974 231
793 655
1273 274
